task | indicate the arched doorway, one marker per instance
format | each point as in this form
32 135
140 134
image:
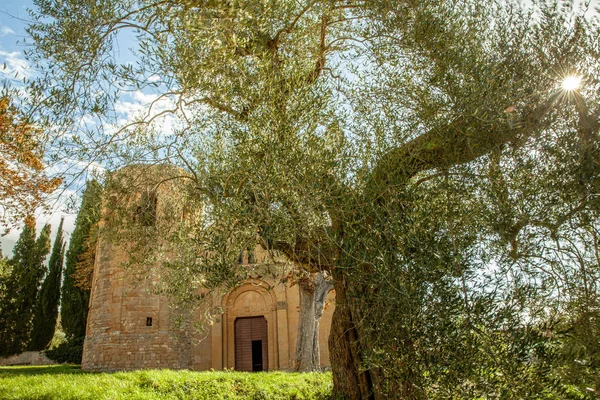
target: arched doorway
251 300
251 344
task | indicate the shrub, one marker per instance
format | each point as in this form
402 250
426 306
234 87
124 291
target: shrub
67 352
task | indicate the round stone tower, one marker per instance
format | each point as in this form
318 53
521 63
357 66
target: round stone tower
128 325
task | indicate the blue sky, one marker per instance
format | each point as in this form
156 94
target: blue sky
13 17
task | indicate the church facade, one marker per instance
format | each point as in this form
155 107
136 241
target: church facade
131 327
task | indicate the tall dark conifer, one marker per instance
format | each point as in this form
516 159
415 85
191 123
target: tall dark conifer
74 300
46 313
22 286
4 274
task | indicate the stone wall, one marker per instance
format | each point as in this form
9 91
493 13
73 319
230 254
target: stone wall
128 325
27 358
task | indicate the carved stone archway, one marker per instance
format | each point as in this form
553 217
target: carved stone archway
252 299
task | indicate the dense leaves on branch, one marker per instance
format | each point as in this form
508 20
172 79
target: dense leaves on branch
23 180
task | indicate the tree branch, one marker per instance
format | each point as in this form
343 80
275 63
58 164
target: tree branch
463 140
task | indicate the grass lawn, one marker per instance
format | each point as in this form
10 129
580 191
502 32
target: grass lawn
70 382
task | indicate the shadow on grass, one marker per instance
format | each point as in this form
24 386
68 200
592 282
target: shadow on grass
42 370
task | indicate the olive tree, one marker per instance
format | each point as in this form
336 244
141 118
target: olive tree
421 154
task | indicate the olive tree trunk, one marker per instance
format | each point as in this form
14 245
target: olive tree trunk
313 292
350 380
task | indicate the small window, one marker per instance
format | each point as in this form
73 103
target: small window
251 257
148 321
185 214
146 212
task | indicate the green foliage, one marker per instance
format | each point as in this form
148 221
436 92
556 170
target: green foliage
5 271
575 352
67 382
17 305
46 313
67 351
74 300
423 153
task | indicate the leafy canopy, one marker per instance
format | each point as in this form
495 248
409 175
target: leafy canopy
424 153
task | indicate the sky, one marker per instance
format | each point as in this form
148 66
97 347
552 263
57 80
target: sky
14 19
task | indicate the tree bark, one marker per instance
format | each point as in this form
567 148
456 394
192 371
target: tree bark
313 292
351 380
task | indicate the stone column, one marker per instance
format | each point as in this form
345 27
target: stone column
282 335
217 344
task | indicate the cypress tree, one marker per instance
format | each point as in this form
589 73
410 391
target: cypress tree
44 319
22 285
4 274
74 300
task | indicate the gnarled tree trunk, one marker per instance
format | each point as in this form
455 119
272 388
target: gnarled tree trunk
350 380
462 141
313 292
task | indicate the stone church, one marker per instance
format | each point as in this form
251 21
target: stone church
130 327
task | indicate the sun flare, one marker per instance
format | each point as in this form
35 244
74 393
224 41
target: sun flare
571 82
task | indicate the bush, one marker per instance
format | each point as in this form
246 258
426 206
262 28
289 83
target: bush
58 339
67 352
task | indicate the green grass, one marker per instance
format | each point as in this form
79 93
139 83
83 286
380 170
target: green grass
70 382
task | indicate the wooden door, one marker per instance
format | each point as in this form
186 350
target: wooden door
251 346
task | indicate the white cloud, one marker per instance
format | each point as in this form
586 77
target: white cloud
72 166
15 63
5 30
149 107
145 98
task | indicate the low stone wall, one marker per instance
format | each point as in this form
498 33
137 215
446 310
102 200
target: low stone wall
27 358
